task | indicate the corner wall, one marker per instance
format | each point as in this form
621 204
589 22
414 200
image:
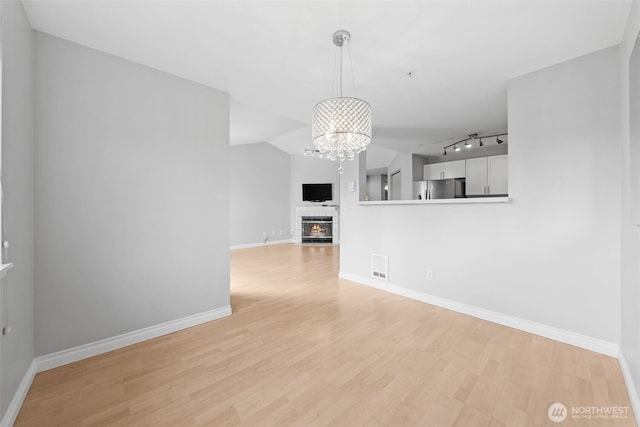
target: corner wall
132 196
550 255
403 163
17 177
630 281
260 198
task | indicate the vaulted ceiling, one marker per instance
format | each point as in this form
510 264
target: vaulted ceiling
276 58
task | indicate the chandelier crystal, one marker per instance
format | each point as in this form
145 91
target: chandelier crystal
342 125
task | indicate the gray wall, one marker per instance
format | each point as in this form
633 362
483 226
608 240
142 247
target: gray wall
259 194
375 187
132 196
417 167
402 162
630 310
551 255
17 173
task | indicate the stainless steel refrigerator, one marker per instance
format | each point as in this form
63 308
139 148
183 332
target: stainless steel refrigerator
419 190
445 188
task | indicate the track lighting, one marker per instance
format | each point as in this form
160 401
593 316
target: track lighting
445 153
471 137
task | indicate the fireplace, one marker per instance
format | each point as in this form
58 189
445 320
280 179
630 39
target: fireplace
317 229
306 216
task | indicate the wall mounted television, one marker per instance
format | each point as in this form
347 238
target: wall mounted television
317 192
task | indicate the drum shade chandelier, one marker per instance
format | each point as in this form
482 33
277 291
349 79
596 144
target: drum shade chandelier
341 126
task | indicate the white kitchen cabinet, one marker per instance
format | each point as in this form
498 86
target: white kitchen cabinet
476 182
432 171
455 169
487 176
497 177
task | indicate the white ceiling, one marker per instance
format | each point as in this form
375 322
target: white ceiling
276 58
249 125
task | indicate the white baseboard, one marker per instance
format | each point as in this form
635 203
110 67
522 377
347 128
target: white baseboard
632 391
85 351
257 245
71 355
16 403
562 335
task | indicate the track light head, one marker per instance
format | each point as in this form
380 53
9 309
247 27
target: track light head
456 148
481 143
467 144
498 140
445 153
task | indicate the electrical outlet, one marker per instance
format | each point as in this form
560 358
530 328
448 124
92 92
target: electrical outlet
429 274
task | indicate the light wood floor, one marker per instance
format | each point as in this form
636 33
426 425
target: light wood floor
305 348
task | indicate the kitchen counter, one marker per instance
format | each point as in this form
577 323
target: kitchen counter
439 201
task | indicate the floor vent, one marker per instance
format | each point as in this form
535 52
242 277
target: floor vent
380 266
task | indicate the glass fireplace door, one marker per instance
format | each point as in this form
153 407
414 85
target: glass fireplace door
317 229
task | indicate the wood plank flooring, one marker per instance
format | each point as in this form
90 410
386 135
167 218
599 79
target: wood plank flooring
304 348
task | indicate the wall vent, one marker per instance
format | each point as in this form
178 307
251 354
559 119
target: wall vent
380 266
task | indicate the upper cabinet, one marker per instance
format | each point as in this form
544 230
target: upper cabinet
454 169
497 177
487 176
476 182
432 171
445 170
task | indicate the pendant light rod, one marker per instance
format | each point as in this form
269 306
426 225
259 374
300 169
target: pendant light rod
340 71
340 39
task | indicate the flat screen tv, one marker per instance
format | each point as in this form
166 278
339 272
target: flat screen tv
317 192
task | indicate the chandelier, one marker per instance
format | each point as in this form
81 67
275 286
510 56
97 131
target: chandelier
341 125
